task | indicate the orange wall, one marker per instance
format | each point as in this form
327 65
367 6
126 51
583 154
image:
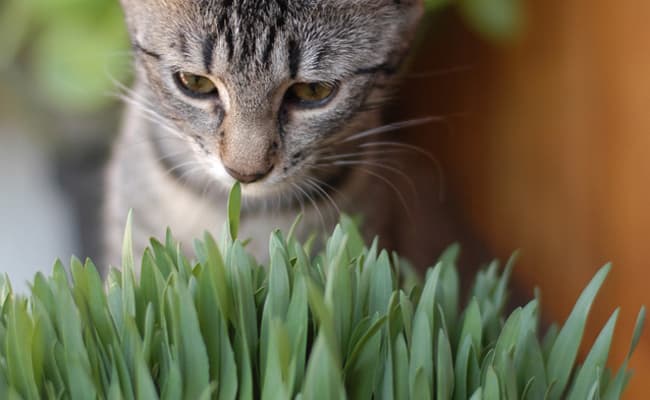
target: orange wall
547 149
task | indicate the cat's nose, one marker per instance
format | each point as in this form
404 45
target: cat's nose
247 178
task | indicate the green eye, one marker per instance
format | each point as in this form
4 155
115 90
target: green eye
196 85
312 94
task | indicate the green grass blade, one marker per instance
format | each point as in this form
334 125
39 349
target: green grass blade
565 349
444 368
595 362
234 211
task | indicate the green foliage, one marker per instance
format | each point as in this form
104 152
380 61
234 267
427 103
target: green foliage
337 326
70 50
494 19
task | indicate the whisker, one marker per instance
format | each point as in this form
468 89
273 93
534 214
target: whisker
392 127
314 204
386 167
390 184
332 188
361 154
428 155
439 72
324 193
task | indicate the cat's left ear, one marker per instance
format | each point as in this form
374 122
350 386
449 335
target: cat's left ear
402 29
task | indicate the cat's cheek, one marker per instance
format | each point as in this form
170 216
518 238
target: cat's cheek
219 172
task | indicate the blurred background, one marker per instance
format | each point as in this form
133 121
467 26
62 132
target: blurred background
546 146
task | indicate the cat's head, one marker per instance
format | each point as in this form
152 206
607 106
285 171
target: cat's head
259 87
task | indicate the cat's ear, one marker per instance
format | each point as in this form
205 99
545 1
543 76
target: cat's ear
403 29
130 10
137 13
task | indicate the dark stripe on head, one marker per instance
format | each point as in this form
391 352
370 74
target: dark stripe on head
383 68
138 48
230 42
294 58
182 43
208 51
268 48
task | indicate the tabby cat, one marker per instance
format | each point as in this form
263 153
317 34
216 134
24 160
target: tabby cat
284 96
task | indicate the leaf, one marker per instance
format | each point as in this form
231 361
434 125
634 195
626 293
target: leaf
401 363
193 361
216 270
565 349
381 287
444 368
423 328
234 210
531 370
323 377
462 386
19 361
420 388
472 325
337 293
298 327
615 388
363 364
497 19
491 389
145 388
128 263
276 378
595 362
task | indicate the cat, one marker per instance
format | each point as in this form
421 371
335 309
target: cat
286 97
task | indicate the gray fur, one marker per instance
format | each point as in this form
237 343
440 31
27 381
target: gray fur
168 164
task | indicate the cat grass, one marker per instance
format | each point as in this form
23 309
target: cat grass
348 323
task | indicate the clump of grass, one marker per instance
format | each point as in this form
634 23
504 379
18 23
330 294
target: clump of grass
344 324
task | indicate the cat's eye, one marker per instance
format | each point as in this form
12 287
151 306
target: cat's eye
311 94
196 85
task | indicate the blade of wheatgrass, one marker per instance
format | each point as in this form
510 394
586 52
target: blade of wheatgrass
355 242
423 328
277 300
565 349
503 351
234 210
531 369
381 286
145 388
595 362
323 377
298 326
337 293
472 326
449 295
219 277
228 378
194 363
362 368
617 385
19 356
401 368
491 389
444 368
420 388
461 370
275 377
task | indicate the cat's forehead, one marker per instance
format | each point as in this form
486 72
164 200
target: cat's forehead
296 14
